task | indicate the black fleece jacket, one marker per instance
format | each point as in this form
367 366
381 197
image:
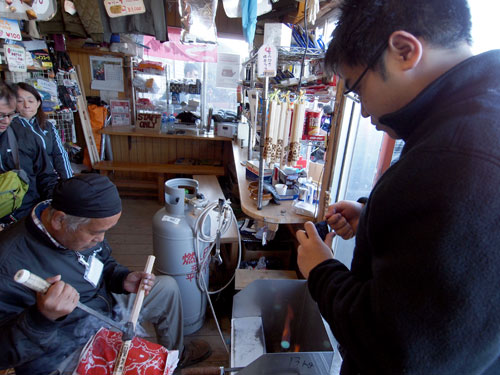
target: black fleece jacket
30 342
422 296
34 161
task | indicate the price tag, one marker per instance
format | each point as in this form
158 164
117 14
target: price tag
9 29
267 61
16 58
119 8
69 7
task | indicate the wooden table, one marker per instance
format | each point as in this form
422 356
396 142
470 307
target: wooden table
274 214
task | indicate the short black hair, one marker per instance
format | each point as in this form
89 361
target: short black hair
364 25
7 93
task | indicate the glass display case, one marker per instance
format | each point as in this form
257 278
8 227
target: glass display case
150 88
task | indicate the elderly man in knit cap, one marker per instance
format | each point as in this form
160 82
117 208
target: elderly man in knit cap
63 241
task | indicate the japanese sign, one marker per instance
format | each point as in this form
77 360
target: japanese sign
267 60
119 8
120 112
9 29
16 58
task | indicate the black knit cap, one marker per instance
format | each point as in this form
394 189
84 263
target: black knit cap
88 195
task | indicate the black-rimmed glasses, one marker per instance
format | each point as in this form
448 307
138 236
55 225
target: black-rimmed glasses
370 65
9 115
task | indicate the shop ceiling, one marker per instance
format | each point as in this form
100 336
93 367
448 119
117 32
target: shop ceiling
284 11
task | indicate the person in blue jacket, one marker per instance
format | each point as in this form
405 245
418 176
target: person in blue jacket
29 106
33 159
421 296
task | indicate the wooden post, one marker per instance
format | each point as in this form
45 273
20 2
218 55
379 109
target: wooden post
332 149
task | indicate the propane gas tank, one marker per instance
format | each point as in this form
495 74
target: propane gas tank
174 248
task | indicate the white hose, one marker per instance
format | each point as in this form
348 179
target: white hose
222 227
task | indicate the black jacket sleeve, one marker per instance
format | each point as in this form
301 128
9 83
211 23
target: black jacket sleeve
26 333
423 284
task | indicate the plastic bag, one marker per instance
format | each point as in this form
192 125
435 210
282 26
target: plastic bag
198 21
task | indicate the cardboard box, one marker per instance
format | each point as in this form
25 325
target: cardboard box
277 34
252 172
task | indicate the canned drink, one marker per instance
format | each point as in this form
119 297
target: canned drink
313 122
302 193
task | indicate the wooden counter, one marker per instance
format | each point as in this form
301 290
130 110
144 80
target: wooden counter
272 213
144 159
132 131
148 146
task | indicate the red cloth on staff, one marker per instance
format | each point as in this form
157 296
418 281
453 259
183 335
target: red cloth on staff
144 357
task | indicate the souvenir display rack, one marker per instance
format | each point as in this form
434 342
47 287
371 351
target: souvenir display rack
286 56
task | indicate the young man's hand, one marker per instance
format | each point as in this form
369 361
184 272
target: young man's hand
59 300
343 218
312 250
133 281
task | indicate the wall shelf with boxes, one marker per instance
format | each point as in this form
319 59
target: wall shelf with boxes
155 92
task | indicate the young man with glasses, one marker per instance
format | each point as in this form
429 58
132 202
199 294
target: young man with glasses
32 158
421 296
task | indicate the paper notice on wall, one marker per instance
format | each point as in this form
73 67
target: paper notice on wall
120 112
119 8
16 58
107 73
29 59
228 70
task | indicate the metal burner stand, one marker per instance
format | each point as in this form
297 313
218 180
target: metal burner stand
276 328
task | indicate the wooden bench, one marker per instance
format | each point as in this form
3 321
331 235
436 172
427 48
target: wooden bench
161 170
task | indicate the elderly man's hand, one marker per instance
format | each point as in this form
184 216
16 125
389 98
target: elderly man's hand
133 281
312 250
59 300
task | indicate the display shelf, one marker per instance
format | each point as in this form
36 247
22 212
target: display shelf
65 124
291 55
149 99
286 56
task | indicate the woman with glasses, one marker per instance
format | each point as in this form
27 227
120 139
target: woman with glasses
32 158
32 117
